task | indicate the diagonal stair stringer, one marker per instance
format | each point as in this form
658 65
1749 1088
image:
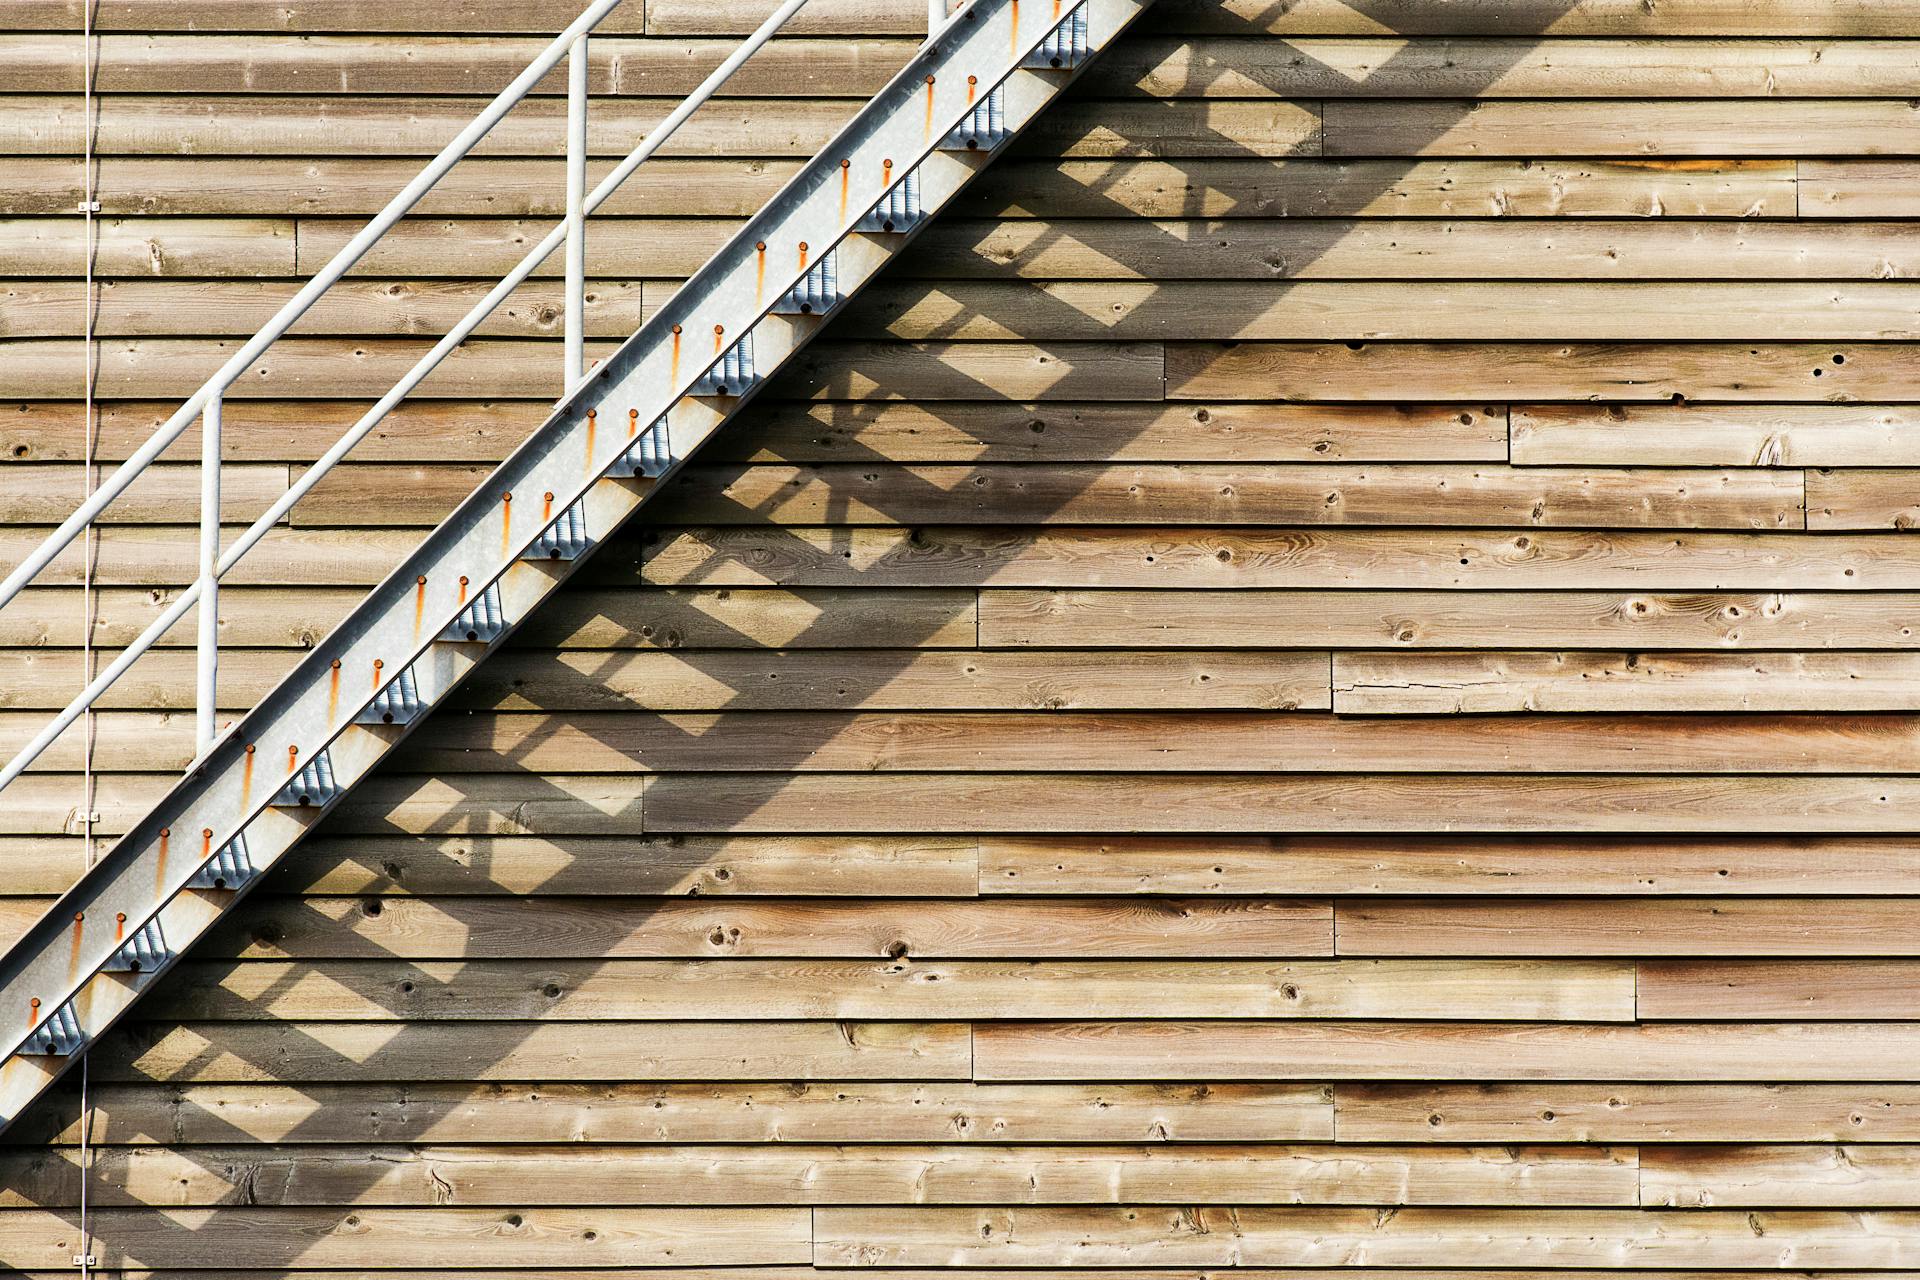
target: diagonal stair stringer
509 546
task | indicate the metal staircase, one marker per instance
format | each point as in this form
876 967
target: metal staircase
623 428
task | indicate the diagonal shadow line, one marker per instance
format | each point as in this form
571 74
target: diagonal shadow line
410 1037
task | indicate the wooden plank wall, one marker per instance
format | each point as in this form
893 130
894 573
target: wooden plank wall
1325 677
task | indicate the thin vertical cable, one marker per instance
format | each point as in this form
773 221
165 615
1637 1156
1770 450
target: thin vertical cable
89 552
89 476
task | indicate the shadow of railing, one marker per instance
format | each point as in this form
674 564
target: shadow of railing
329 1078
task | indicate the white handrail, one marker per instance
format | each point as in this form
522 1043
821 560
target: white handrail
299 304
205 588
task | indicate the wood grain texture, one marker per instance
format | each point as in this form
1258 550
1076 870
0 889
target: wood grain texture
1213 1236
1700 926
1232 803
1320 678
1443 619
1187 557
417 1238
836 1112
1169 742
1826 988
1209 187
797 1174
1235 495
551 990
1458 683
235 1052
1626 1111
555 928
1426 864
1254 1050
1732 1176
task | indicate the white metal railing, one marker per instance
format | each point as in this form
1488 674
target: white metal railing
206 402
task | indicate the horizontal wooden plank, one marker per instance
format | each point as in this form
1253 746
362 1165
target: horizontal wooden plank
1802 435
1861 499
738 990
482 368
275 430
843 1111
157 308
144 247
1230 187
1167 252
1236 803
1697 127
813 1175
162 494
1057 742
1787 1177
1612 372
848 65
1365 865
997 493
826 431
320 186
836 431
1701 990
724 618
1171 557
1444 619
1250 1050
1629 1112
828 866
250 617
356 63
1853 188
1293 246
555 928
413 1238
302 125
1441 310
240 1052
489 16
1476 683
44 679
636 248
670 866
1637 926
1177 557
299 125
893 680
384 805
719 680
1513 17
1224 1236
1387 66
164 556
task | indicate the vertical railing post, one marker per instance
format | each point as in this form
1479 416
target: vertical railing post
936 14
208 665
576 351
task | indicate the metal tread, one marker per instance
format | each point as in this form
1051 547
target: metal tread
517 538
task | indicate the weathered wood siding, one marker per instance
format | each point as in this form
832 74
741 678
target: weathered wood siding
1328 676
